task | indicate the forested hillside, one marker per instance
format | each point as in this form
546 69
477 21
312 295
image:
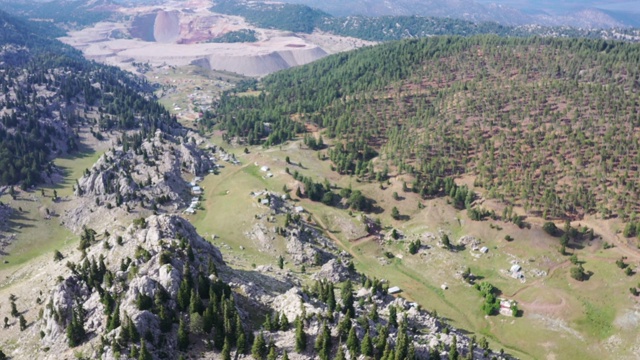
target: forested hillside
549 124
61 13
49 90
301 18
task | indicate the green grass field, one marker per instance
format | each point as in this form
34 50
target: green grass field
35 235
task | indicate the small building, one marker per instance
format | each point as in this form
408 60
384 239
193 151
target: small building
444 286
196 190
299 209
269 175
190 211
515 268
394 290
264 201
264 168
484 249
506 307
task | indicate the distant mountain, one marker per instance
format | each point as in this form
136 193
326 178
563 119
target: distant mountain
302 18
503 12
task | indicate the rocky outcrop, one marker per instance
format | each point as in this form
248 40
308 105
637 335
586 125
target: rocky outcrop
152 258
333 271
148 175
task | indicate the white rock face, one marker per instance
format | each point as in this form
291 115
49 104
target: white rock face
333 271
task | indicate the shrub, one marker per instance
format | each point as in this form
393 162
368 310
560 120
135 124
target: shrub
57 256
551 228
578 273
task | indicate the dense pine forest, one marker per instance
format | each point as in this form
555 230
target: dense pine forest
549 124
49 90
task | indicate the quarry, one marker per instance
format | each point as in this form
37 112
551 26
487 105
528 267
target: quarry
180 34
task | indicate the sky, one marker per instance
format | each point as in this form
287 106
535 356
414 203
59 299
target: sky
631 6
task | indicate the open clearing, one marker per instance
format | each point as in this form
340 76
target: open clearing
32 230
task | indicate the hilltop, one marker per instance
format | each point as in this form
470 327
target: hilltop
530 126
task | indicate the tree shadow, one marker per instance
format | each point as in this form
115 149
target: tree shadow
587 275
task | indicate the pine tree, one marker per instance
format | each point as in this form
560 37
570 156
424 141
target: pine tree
381 339
453 351
340 354
393 321
226 349
273 354
208 319
259 348
241 340
285 356
284 322
75 330
134 336
144 352
184 295
348 299
352 342
301 337
366 348
343 327
195 303
267 325
183 336
331 298
113 320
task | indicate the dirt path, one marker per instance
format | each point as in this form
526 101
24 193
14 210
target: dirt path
551 272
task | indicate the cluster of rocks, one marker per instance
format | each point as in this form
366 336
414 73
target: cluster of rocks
158 236
150 177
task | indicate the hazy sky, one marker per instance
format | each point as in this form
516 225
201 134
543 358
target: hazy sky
567 5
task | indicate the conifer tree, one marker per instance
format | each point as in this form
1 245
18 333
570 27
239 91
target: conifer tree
273 354
331 298
301 337
340 354
453 350
284 322
366 348
348 299
75 329
226 349
393 321
352 342
144 352
183 336
259 348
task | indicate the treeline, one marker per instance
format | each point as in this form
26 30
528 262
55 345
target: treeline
548 124
74 14
238 36
290 17
323 192
48 88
